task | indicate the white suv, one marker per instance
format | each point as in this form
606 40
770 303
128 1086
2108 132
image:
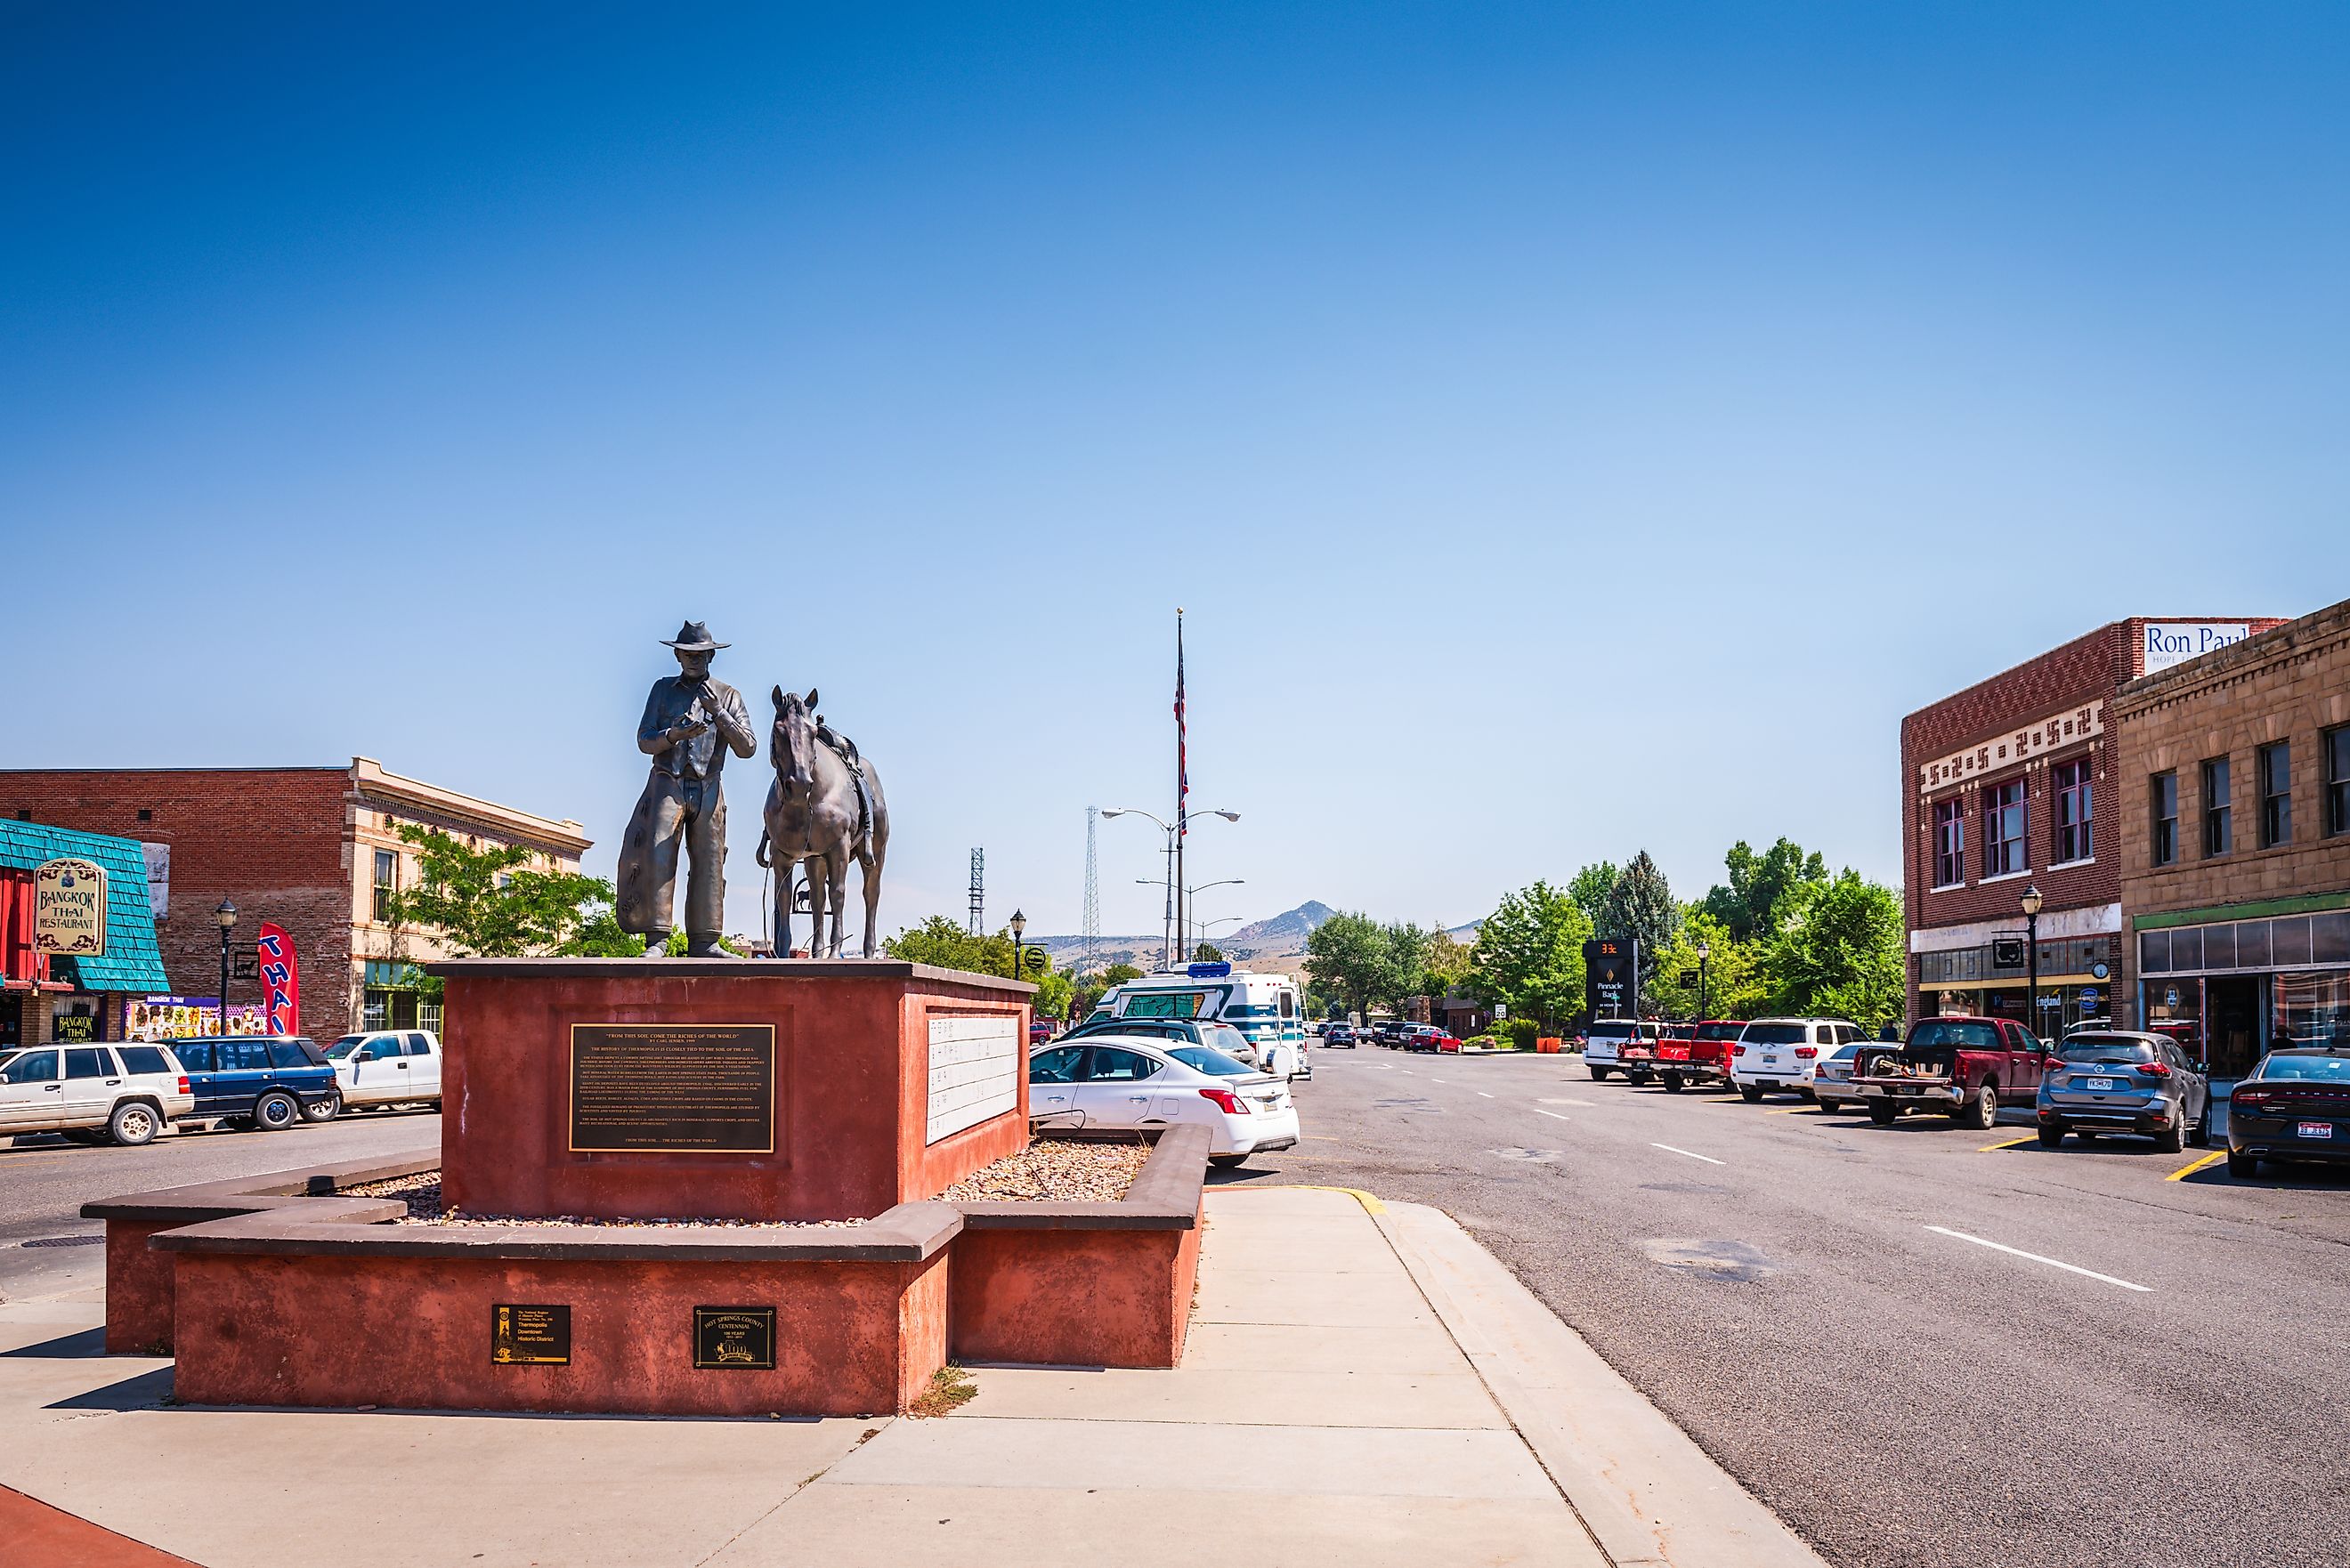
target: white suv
1603 1043
125 1093
1776 1054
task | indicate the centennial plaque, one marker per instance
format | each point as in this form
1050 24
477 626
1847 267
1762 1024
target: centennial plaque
682 1088
526 1335
739 1338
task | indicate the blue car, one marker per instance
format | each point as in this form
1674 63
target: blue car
265 1081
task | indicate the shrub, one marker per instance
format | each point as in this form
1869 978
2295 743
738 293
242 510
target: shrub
1522 1032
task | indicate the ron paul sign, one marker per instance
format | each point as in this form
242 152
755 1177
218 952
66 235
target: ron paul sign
69 908
1611 986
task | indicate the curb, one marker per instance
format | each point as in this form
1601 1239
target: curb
1648 1495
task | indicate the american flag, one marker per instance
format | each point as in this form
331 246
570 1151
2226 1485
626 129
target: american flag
1182 761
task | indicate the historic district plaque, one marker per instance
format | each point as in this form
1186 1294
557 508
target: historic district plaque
739 1337
530 1336
679 1087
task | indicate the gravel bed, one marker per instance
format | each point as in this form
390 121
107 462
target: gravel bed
1055 1170
421 1192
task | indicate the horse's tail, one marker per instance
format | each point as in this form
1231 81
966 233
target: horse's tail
760 854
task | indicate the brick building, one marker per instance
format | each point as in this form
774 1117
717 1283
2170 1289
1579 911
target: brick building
2009 785
308 847
2234 778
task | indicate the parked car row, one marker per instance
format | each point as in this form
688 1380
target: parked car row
129 1092
2295 1105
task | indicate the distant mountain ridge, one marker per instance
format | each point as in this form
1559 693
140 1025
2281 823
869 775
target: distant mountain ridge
1277 944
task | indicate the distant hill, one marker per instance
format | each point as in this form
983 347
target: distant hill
1275 945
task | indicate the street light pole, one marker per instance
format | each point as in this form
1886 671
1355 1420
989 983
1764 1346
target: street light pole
1704 951
1171 930
225 917
2032 902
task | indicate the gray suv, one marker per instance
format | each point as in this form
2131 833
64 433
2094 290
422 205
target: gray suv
2115 1080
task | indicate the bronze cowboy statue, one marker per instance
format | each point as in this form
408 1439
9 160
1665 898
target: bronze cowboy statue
691 723
824 810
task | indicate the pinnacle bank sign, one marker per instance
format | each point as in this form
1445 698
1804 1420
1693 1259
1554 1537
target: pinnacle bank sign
2169 642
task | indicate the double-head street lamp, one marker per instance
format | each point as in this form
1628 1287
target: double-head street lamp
2032 902
225 918
1174 929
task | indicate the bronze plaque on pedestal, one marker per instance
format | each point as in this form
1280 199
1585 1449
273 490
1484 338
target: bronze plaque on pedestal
523 1335
739 1338
680 1088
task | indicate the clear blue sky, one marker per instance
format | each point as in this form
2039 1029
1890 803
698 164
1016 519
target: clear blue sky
1570 429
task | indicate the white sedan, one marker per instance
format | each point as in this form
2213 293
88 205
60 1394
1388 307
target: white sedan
1132 1082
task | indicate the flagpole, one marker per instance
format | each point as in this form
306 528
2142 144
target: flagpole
1182 789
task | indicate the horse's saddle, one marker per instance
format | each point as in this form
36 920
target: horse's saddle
846 750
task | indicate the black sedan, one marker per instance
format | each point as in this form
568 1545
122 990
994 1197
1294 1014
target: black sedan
1338 1036
2295 1105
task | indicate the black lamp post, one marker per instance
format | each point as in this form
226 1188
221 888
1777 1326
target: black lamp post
1019 953
225 917
1704 951
2032 902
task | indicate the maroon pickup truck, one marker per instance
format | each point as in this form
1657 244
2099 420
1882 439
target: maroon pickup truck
1965 1068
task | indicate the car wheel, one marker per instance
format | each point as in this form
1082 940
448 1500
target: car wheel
275 1111
2172 1139
1227 1161
1981 1109
1882 1114
2051 1134
1638 1080
1750 1093
2243 1164
1672 1082
325 1110
1598 1075
1830 1106
133 1124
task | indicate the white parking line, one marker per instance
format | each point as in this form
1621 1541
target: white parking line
1436 1080
1484 1096
1552 1115
1692 1153
2052 1262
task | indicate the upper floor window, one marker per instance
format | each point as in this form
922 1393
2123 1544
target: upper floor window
1950 842
2337 780
2069 783
2003 827
2219 823
387 878
2276 794
2166 818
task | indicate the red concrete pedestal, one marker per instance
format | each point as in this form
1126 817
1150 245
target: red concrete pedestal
866 1053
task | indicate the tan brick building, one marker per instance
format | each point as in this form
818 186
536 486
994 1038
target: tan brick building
2009 785
307 848
2235 785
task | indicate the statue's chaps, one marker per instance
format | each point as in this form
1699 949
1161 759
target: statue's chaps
824 810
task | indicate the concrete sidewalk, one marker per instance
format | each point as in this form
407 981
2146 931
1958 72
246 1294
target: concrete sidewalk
1364 1385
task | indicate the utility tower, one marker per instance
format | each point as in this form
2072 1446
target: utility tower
1093 897
978 892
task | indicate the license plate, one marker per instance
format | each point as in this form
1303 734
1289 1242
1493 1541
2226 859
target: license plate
1906 1089
2317 1130
2097 1082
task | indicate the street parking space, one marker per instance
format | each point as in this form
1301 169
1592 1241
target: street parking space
1808 1292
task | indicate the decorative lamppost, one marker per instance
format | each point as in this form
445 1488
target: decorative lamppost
1019 953
2032 902
225 918
1172 936
1704 951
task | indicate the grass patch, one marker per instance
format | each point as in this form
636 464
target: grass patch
951 1389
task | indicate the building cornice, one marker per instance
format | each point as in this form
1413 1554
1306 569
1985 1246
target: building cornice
374 782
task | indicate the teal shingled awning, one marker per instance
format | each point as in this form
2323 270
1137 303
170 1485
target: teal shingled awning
131 960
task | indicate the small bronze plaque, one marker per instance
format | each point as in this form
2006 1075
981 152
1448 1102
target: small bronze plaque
738 1337
682 1088
530 1336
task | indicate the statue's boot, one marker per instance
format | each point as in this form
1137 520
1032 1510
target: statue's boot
700 944
656 944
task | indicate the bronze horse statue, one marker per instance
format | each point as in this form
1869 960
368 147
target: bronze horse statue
824 810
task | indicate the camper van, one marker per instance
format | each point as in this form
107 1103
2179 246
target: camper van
1264 1007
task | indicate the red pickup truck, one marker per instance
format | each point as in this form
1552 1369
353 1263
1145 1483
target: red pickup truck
1643 1060
1694 1053
1965 1068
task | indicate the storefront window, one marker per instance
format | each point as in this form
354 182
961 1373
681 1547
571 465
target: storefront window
375 1013
2311 1010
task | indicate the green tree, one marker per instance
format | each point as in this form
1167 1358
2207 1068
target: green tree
939 941
1529 954
1839 952
1350 957
1589 889
1407 966
492 903
1734 983
1446 961
1087 992
1749 908
1207 952
1640 906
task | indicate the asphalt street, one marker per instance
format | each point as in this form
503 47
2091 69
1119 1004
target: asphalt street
1918 1348
45 1180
